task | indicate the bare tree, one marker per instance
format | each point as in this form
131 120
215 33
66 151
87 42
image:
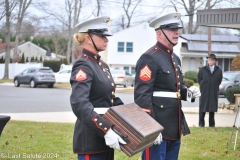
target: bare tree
129 8
99 6
2 10
192 6
9 6
22 8
69 17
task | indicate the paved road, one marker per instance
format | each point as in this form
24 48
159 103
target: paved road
25 99
52 105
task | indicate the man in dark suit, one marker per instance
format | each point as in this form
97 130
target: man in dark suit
209 79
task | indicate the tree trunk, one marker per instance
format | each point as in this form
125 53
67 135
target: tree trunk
7 48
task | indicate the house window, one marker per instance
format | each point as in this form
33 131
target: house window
129 47
226 65
133 70
126 68
120 46
220 62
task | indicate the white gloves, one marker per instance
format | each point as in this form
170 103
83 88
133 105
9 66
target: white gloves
112 140
195 91
158 140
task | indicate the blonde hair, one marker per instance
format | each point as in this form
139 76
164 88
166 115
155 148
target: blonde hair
79 38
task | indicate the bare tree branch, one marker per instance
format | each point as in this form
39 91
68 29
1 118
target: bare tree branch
23 6
126 8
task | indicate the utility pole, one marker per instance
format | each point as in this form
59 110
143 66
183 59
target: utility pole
209 32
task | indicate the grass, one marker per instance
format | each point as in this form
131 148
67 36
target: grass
25 138
6 81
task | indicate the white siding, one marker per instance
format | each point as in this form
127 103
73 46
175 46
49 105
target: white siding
142 37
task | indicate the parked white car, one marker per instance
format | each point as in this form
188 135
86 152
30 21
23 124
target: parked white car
122 77
63 76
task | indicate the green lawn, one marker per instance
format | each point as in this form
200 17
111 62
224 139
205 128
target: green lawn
24 139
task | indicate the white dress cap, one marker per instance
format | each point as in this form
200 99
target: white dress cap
96 25
170 20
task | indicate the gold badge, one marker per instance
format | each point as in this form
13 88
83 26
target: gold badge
175 15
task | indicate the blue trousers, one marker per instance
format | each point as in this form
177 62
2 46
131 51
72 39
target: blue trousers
167 150
109 155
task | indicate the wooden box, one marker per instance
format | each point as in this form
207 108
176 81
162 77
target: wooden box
135 125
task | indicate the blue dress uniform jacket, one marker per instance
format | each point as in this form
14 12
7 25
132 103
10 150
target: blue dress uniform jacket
92 87
159 69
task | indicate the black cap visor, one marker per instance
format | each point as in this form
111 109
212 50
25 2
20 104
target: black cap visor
103 32
170 26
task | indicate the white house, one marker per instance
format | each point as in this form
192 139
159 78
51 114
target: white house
125 47
195 50
30 50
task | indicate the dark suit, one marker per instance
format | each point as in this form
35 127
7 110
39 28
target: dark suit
209 88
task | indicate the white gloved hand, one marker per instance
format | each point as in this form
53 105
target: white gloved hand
158 140
195 91
112 140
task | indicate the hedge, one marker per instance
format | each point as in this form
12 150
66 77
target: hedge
54 65
188 82
191 75
230 93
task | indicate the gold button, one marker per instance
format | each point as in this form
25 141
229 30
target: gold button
168 51
156 48
178 76
179 83
112 84
112 100
113 93
161 106
168 72
95 57
105 128
104 70
174 63
100 63
100 124
176 69
179 90
109 77
95 119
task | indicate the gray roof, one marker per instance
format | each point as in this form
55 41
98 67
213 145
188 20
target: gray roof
214 47
216 38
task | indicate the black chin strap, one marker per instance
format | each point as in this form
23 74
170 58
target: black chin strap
168 39
93 43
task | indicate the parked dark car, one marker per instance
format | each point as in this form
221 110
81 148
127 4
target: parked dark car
35 76
230 79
